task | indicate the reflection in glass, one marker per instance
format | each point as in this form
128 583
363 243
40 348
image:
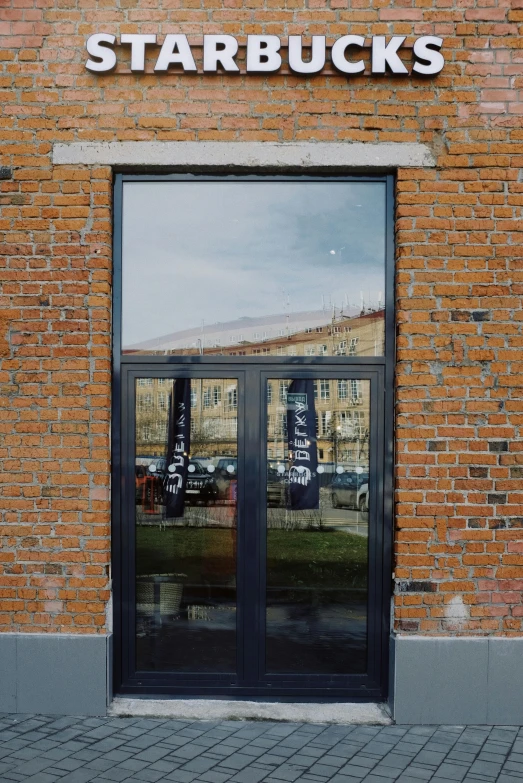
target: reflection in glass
186 564
317 557
258 268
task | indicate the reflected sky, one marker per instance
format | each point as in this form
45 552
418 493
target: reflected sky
220 251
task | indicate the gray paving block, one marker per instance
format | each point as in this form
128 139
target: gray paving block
406 778
117 775
360 760
485 768
81 775
249 775
33 766
450 771
354 771
146 776
276 758
199 764
372 778
419 773
68 764
386 773
430 757
215 777
332 760
153 754
513 767
289 776
99 765
310 753
179 776
24 754
395 759
342 779
42 777
323 770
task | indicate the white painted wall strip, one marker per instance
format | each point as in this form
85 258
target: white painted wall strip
245 154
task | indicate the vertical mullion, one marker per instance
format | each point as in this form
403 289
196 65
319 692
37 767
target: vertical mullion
240 529
387 438
117 435
251 516
129 524
375 575
262 533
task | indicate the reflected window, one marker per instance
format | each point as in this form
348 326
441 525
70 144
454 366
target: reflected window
325 390
343 390
236 267
232 399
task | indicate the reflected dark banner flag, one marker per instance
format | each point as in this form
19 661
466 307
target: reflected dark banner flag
178 448
304 485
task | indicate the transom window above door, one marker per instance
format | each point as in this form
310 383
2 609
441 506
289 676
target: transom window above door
254 267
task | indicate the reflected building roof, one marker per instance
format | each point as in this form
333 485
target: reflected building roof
248 331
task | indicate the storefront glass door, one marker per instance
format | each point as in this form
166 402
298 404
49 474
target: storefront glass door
245 573
251 437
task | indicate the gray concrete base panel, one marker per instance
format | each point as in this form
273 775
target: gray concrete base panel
456 680
54 674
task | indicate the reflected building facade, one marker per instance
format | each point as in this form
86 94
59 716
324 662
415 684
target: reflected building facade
342 405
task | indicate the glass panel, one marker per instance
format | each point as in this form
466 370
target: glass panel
254 268
186 516
317 526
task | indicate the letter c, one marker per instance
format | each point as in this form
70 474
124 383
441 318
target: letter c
338 54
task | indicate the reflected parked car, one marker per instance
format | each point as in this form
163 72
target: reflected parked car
363 497
201 485
227 478
348 489
228 467
148 486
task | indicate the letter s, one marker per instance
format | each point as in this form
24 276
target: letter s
427 49
98 46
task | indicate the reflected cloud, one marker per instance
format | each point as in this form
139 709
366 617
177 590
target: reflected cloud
197 252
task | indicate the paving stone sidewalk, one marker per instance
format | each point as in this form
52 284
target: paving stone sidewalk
37 749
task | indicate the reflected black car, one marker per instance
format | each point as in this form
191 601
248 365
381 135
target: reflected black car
201 485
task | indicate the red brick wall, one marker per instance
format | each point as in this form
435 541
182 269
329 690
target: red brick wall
459 539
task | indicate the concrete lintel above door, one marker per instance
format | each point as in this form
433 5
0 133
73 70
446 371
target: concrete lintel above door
329 156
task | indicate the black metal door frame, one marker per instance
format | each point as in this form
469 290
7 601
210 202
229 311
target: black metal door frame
251 679
251 373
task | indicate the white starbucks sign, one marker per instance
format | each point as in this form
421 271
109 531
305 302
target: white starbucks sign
263 54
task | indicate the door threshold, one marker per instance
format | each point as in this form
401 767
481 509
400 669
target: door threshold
347 713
